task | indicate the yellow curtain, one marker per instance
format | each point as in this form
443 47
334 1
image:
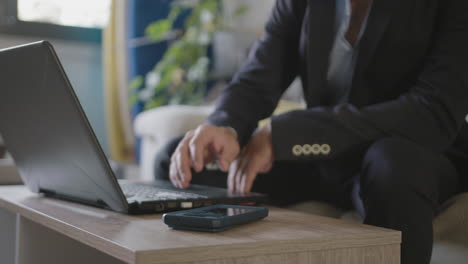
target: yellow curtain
119 126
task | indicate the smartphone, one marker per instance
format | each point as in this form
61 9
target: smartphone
214 218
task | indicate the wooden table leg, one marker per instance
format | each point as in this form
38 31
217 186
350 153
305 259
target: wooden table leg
39 244
7 236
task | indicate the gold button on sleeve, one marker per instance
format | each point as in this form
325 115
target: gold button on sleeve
297 150
325 149
307 149
316 149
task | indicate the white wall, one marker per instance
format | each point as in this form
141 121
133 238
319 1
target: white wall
254 19
83 62
231 47
83 65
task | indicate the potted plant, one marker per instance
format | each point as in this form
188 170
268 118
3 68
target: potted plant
183 73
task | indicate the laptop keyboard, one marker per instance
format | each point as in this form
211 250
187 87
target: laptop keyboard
141 191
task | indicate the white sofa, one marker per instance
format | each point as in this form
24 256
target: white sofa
159 125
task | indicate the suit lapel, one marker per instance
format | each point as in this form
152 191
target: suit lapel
378 20
321 36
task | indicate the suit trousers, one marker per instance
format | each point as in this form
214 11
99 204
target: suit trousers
393 183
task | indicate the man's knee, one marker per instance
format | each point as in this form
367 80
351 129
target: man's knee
396 169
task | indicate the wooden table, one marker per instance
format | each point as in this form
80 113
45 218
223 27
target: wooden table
55 231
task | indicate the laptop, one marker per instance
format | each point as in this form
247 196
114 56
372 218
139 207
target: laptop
56 151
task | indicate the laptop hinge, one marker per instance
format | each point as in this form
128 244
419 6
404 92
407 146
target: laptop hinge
98 203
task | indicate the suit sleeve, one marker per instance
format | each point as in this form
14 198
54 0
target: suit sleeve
430 114
254 92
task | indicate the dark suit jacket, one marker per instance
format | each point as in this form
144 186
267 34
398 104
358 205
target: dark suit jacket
411 78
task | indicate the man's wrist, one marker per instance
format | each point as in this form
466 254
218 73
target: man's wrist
234 132
270 144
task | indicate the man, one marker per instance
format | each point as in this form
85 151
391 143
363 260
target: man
386 86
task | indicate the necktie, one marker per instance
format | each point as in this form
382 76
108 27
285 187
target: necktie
359 10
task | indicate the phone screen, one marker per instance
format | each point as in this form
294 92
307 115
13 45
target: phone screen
219 212
228 211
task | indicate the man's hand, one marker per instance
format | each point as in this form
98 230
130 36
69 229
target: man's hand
256 157
203 145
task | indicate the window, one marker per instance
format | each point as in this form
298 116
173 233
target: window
82 13
66 19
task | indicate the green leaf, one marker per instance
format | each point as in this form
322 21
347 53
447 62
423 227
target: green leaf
133 100
174 13
184 53
155 102
240 11
158 30
211 5
136 83
166 77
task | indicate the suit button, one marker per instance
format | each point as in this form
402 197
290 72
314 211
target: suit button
326 149
307 149
316 149
297 150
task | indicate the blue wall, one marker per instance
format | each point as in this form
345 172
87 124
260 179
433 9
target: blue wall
143 58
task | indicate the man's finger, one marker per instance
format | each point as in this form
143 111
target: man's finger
228 154
197 148
240 174
235 173
251 172
249 180
231 176
184 169
185 165
180 163
266 168
179 174
173 175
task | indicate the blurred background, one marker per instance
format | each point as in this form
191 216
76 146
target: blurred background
128 57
